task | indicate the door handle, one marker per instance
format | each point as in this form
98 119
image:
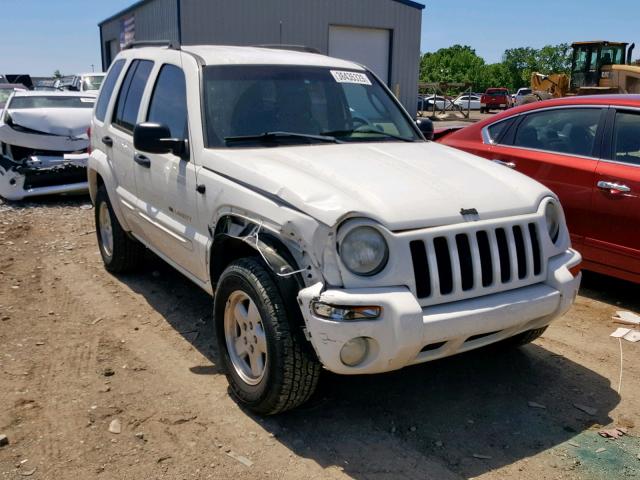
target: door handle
505 164
108 141
142 160
613 187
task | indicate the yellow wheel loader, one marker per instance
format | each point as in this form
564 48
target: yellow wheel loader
597 67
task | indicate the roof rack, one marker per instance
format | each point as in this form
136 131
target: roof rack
153 43
295 48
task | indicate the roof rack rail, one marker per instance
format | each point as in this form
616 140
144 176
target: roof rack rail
153 43
295 48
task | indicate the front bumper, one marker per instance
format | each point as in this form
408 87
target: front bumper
44 175
408 334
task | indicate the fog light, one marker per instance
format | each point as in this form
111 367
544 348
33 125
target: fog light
333 312
354 351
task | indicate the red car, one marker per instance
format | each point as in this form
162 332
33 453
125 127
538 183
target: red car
587 150
495 99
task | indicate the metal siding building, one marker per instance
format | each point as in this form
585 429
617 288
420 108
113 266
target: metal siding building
382 34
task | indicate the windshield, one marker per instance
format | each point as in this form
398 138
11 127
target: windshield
92 82
51 102
349 106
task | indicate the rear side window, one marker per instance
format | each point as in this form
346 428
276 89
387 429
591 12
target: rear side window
107 89
568 131
497 130
169 101
128 105
626 138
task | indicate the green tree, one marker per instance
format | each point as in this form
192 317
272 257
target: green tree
57 74
522 62
494 75
456 64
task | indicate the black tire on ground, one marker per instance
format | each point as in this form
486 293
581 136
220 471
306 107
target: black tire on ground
524 338
125 253
290 372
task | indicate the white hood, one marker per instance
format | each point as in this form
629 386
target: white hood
68 122
401 185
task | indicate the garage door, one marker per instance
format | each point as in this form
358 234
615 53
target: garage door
368 46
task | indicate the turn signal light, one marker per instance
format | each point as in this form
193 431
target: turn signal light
339 313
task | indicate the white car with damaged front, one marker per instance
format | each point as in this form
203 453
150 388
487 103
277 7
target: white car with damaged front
43 143
296 190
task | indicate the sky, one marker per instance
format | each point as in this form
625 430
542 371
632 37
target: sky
41 36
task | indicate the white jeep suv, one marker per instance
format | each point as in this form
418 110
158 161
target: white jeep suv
295 189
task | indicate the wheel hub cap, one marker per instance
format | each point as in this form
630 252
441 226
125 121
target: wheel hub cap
245 337
106 231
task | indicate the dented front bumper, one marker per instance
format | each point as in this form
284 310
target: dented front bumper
406 333
43 175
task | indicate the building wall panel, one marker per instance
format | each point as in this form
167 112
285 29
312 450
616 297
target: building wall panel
302 22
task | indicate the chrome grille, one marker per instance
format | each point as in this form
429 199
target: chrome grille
465 263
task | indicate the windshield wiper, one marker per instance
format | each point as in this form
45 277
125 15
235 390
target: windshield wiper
344 133
273 136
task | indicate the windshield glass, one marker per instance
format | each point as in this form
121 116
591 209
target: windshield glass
249 100
51 102
92 82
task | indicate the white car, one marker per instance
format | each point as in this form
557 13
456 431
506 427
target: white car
82 82
522 96
441 102
327 238
43 143
465 101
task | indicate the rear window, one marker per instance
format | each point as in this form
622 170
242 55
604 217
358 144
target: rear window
107 90
128 105
496 93
495 131
19 103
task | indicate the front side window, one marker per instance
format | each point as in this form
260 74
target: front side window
345 106
169 101
51 101
128 105
109 85
568 131
626 138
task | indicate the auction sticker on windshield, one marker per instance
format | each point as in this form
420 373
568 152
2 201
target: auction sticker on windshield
350 77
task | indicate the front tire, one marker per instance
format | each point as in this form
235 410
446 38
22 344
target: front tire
266 365
120 253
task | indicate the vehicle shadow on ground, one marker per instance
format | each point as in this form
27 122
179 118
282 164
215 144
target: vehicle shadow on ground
457 417
610 290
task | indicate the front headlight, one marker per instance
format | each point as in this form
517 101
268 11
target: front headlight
364 251
552 217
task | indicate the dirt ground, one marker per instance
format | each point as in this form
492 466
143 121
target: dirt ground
81 348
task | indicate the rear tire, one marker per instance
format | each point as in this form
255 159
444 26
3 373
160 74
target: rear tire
268 369
120 253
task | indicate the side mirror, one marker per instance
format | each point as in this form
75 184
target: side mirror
426 127
156 138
